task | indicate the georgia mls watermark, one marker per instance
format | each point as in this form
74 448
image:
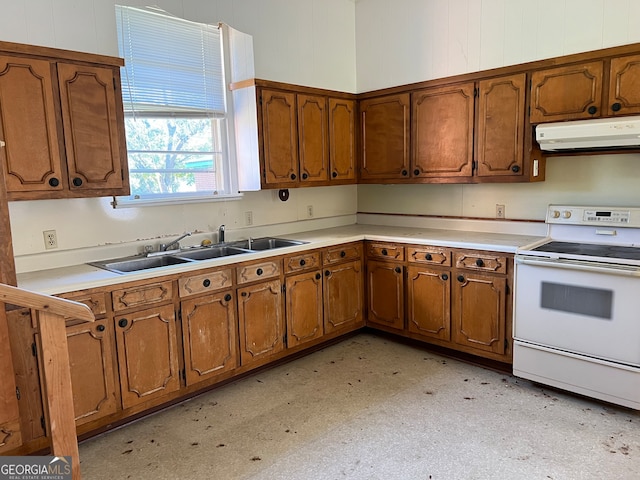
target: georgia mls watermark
35 468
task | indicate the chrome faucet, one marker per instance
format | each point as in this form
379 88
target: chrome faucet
165 247
221 234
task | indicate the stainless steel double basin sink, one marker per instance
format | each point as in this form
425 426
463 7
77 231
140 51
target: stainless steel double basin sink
137 263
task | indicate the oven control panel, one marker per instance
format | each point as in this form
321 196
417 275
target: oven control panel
614 216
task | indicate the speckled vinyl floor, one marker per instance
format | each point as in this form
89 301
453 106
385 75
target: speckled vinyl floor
370 408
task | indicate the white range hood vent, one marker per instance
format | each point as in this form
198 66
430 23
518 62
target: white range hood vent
598 134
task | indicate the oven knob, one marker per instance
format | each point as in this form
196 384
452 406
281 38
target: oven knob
566 214
555 214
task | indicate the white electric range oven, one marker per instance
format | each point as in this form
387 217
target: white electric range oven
577 304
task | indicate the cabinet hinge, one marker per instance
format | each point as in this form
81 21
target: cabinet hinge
530 83
115 87
18 393
507 290
34 350
183 374
506 344
473 166
43 424
284 288
476 92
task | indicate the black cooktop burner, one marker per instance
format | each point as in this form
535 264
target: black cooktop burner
591 250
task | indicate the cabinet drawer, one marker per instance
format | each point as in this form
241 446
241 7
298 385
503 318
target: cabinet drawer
387 251
352 251
205 282
142 295
95 301
258 271
429 255
304 261
485 262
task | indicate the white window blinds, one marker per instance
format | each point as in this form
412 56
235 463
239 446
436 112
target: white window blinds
174 69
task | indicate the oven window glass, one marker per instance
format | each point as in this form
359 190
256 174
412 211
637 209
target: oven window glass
593 302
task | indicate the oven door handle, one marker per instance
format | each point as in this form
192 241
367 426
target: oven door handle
607 268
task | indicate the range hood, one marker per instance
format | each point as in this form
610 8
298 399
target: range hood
597 134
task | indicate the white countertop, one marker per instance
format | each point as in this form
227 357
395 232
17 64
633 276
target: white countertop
78 277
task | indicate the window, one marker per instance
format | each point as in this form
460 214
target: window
176 111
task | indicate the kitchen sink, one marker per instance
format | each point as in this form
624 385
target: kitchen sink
267 243
211 252
134 264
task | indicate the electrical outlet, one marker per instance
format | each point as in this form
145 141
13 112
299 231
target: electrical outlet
50 239
499 211
309 211
248 218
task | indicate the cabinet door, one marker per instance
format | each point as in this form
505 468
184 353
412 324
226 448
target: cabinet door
304 307
442 135
279 137
385 285
261 321
624 86
147 354
500 135
209 336
313 138
342 139
429 302
31 155
566 93
92 135
479 311
343 297
91 360
10 435
385 137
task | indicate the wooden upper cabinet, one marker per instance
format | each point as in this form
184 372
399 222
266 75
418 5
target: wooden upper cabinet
342 139
571 92
442 131
624 86
279 138
28 126
91 130
313 138
500 127
385 137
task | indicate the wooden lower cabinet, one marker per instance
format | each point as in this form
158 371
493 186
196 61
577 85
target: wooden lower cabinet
147 354
304 307
385 287
428 302
210 340
260 321
91 358
343 298
478 311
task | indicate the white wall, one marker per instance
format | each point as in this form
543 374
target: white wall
407 41
306 42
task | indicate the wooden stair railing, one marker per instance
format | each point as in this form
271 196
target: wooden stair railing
55 361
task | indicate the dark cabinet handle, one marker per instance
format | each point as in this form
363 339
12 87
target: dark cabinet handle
384 251
405 173
334 174
343 254
305 176
123 322
327 273
460 278
302 262
259 272
416 172
398 270
428 257
206 282
616 107
101 328
479 262
445 276
244 294
77 182
227 297
318 276
54 182
293 176
515 168
592 110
